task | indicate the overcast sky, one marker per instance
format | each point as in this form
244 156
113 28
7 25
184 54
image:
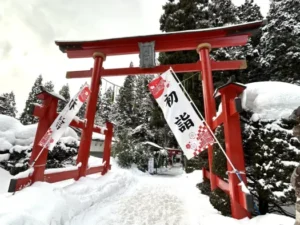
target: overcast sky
29 29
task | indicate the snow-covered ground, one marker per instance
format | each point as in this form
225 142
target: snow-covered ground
120 197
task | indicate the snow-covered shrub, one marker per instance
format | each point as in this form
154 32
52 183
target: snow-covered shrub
16 142
129 153
220 199
204 186
271 154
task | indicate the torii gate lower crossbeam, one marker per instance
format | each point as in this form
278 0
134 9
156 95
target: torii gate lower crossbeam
178 41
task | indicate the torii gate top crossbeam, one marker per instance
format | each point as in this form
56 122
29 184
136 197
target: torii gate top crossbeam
174 41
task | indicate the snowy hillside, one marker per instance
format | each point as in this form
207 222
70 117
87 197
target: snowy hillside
120 197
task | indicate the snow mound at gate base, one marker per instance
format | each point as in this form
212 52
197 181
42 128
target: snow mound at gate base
271 100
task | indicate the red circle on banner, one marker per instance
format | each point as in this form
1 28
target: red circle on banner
157 87
84 94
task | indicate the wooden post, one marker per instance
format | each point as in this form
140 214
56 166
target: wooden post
209 101
47 115
234 148
107 147
86 136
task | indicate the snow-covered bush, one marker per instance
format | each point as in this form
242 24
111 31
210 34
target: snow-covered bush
16 141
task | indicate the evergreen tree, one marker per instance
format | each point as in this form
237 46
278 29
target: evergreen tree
280 43
223 12
9 104
105 107
185 15
249 12
26 116
82 110
49 86
65 92
126 104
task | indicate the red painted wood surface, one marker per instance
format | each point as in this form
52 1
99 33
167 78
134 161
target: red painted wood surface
223 185
107 147
39 111
178 68
173 41
60 176
86 136
234 149
87 50
209 103
48 116
20 183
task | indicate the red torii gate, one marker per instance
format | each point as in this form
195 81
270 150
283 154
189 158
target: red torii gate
202 41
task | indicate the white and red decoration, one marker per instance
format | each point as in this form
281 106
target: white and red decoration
190 131
63 120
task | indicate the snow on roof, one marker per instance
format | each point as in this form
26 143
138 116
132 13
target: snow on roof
99 137
43 89
153 144
271 100
247 26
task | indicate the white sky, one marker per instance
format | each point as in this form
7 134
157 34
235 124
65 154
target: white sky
29 29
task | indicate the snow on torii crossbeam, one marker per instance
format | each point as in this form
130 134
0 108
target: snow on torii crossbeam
202 41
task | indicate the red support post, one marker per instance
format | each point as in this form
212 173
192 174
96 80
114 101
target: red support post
48 115
234 149
107 147
86 136
209 101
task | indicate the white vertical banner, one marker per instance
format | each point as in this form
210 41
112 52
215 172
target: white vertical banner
64 119
189 130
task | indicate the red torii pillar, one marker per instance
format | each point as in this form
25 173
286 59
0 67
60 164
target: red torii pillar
209 101
87 132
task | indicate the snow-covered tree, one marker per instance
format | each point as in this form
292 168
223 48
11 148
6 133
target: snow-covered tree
9 104
271 153
222 13
249 11
280 43
125 104
105 107
65 92
49 86
26 116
